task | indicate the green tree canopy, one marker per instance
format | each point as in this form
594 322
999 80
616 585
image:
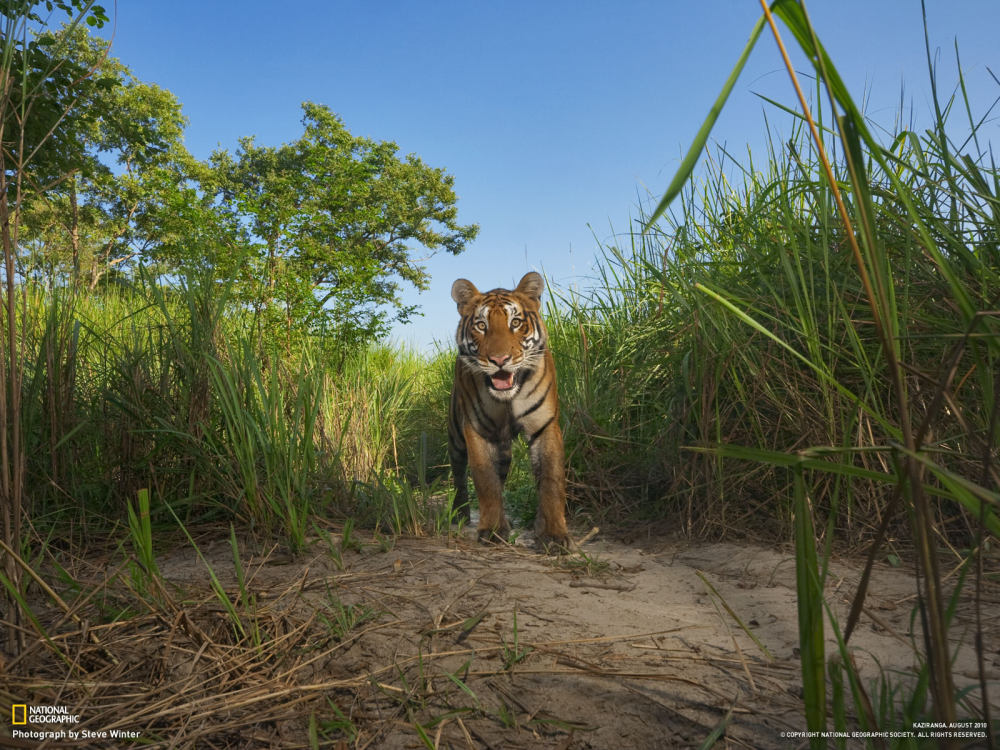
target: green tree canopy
113 161
335 221
319 234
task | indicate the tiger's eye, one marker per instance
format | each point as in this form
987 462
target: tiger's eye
515 324
480 325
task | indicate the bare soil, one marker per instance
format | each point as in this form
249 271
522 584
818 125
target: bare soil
441 642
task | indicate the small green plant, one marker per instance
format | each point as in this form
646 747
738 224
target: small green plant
241 575
335 549
461 684
506 716
229 606
424 737
338 727
442 519
340 619
348 541
583 563
511 652
384 543
246 600
405 503
144 569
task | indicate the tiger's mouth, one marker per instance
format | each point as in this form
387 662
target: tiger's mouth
502 380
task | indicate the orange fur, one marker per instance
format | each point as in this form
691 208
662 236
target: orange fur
505 386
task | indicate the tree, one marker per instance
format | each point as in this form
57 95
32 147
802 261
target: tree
36 94
333 222
115 158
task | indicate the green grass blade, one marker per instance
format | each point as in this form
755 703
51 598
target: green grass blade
694 151
809 588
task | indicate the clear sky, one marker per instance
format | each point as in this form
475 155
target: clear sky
555 118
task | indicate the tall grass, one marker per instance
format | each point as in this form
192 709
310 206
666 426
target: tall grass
165 387
808 355
25 129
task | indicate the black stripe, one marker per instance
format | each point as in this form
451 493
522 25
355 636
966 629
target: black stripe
539 329
501 464
540 430
456 441
539 381
478 416
467 340
535 405
473 414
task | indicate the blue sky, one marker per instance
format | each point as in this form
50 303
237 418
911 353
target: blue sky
555 118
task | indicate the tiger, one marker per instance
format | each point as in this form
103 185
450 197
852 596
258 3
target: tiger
505 386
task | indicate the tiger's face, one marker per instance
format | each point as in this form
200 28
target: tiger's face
501 336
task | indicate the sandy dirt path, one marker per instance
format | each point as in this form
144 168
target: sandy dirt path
653 646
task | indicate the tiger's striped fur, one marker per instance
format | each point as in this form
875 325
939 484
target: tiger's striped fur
505 386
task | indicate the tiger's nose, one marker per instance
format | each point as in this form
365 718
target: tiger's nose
499 361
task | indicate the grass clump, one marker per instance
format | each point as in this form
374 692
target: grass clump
167 388
808 356
740 320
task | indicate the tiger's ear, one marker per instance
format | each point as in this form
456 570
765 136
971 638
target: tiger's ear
462 291
531 285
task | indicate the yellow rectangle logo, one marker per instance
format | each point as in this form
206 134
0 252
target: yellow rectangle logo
23 713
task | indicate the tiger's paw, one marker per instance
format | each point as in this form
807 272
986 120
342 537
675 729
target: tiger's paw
555 544
494 536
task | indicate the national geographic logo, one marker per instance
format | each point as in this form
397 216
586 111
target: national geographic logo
22 714
52 723
42 723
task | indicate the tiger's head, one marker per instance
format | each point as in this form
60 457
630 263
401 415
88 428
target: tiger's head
501 337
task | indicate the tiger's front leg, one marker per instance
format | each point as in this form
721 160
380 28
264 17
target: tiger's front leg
547 461
488 463
460 473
